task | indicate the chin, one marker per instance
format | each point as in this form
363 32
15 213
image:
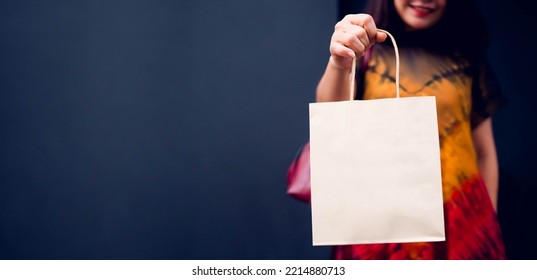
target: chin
419 24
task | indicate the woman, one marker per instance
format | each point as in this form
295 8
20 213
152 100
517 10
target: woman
441 44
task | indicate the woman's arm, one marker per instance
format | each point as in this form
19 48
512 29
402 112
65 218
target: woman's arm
335 83
352 36
487 159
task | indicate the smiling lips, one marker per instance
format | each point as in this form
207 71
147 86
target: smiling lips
421 11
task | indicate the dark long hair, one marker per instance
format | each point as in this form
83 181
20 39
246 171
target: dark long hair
461 29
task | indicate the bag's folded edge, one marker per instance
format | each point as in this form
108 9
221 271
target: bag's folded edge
381 241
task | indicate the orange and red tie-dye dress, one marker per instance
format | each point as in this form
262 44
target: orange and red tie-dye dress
466 94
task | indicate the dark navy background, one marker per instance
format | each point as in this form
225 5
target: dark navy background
138 129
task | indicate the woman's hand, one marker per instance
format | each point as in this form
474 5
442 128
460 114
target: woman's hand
353 35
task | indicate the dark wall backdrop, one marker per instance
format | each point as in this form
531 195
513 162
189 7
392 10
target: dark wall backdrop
138 129
142 129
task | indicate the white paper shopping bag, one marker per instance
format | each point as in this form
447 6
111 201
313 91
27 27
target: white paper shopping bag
375 171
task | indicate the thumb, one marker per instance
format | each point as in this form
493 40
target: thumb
381 37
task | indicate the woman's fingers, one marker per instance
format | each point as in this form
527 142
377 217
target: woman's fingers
341 50
366 22
357 32
352 36
359 39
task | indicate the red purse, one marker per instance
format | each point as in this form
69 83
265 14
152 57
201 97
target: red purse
298 175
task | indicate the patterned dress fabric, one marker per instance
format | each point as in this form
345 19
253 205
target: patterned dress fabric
466 94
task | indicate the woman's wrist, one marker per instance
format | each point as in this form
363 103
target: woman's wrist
336 66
